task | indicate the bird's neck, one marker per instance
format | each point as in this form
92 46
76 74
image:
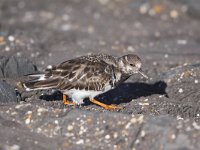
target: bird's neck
120 77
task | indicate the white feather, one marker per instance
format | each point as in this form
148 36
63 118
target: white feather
39 76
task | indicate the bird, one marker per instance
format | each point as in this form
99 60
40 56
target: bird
87 77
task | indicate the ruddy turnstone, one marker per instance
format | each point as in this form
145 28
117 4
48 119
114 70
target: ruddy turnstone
87 77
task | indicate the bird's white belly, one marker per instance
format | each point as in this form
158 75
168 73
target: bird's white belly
78 96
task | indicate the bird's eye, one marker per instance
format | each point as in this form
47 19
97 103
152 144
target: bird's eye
132 65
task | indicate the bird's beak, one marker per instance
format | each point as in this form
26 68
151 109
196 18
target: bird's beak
142 73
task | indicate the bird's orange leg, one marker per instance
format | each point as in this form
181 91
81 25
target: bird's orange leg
66 102
108 107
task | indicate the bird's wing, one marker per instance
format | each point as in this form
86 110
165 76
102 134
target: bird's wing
81 74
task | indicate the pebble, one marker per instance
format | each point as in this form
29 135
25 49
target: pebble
50 54
66 27
11 38
7 49
29 112
49 67
103 2
174 14
144 104
81 141
39 110
56 121
29 116
143 133
13 147
157 34
166 55
173 136
155 63
144 8
70 127
107 136
39 130
115 135
180 90
182 42
27 121
196 81
131 49
19 54
90 29
19 106
137 141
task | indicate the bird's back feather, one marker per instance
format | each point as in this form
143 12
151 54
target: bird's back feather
86 72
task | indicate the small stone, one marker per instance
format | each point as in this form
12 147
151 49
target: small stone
19 54
196 81
157 34
39 130
70 127
27 121
90 29
49 67
81 141
103 2
174 14
29 112
56 121
11 38
130 49
182 42
179 117
180 90
40 110
107 137
155 63
137 141
143 104
50 54
66 27
115 135
144 8
7 49
143 133
166 55
13 147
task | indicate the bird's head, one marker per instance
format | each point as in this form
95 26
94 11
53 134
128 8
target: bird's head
131 64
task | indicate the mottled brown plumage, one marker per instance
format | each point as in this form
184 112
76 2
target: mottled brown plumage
87 76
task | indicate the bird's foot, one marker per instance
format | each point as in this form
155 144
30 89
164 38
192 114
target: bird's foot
105 106
66 102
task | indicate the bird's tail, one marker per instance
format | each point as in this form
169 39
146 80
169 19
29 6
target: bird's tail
38 82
